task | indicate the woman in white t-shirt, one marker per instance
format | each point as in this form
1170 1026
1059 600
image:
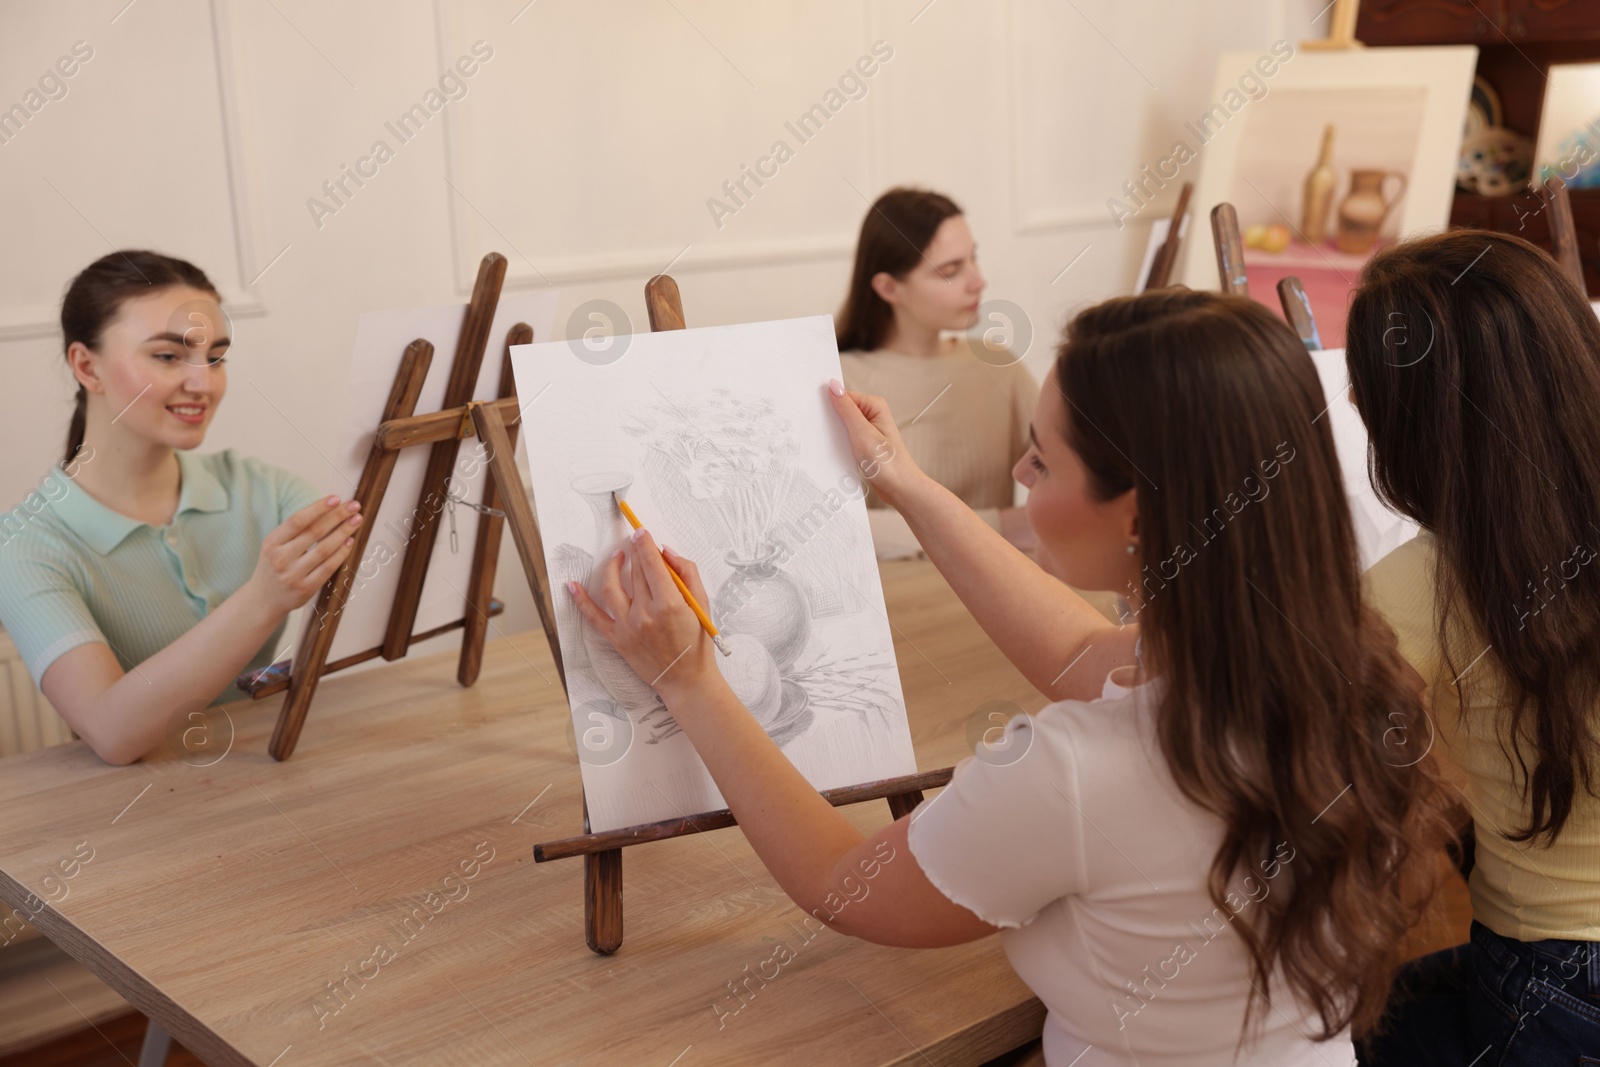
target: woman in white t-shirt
1207 856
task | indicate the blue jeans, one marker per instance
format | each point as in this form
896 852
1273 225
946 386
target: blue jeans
1493 1002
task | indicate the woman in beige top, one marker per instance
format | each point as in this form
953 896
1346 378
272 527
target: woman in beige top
967 406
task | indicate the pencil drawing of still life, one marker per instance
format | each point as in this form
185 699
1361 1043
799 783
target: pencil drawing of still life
721 441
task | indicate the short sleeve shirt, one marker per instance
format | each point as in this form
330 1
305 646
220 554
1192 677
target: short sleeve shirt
1070 834
1522 890
73 571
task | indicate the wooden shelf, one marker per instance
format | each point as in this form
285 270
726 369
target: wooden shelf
1518 41
1479 22
1527 216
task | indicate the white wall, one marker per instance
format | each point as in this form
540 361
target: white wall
584 149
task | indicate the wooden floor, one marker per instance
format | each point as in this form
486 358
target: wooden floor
114 1043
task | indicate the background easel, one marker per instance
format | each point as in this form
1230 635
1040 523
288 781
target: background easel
402 428
1231 275
1563 231
1166 256
602 852
1292 294
1341 29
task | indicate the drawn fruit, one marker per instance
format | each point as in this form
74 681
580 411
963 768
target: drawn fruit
752 674
1276 238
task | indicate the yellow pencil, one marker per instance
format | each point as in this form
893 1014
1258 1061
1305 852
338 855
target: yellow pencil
700 613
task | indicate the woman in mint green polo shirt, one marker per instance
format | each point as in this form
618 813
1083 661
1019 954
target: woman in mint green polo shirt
143 576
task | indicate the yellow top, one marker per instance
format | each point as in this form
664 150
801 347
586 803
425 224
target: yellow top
1520 890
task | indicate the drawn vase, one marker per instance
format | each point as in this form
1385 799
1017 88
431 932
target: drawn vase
607 664
1364 209
760 600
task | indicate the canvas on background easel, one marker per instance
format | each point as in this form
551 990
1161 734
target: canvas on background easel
398 429
602 851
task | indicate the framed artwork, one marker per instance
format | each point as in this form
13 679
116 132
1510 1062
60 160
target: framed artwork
1337 155
1569 126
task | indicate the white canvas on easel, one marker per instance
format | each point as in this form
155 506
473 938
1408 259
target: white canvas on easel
1379 530
723 442
381 339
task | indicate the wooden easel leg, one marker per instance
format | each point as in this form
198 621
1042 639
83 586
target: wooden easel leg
602 901
1297 310
486 552
1563 232
1230 250
519 516
474 338
902 804
310 660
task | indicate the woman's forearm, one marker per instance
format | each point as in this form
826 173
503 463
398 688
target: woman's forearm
797 834
1056 638
134 714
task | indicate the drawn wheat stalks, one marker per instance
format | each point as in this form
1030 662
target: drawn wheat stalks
858 689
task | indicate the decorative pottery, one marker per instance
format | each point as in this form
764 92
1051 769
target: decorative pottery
1318 195
1364 209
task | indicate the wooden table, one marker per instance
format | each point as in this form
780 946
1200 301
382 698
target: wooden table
227 900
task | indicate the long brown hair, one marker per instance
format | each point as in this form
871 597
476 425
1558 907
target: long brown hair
96 295
1475 363
894 235
1282 690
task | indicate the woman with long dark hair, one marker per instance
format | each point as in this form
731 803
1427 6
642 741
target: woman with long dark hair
1208 849
145 577
1475 363
914 287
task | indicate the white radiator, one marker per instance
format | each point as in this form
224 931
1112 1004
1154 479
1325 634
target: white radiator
27 721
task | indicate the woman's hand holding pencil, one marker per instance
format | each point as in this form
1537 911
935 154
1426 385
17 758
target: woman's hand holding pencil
694 604
655 629
662 629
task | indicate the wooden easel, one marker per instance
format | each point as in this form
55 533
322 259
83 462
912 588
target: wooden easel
1341 29
1230 250
602 852
401 428
1563 231
1231 275
1166 256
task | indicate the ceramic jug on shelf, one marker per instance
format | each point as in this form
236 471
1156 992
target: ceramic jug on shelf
1364 209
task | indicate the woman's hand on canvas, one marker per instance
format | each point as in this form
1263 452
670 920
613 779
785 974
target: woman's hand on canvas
652 628
880 454
304 552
